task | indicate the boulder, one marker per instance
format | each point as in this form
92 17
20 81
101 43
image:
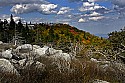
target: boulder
66 57
25 47
94 60
36 47
23 55
61 61
99 81
41 51
53 51
22 62
1 42
7 67
30 63
7 54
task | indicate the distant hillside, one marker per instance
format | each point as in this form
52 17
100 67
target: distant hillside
54 33
63 33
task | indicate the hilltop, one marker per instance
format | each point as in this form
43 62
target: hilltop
44 33
57 34
55 52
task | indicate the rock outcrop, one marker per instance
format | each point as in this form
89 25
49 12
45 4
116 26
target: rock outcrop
7 54
27 55
99 81
7 67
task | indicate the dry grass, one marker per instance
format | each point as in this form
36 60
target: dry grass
81 72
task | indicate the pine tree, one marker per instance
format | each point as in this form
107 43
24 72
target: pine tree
12 23
5 24
1 25
19 26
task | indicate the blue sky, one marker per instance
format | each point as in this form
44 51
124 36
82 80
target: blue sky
94 16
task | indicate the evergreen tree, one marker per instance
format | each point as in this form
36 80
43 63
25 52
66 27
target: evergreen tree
5 33
117 38
12 23
12 28
26 33
5 24
1 25
19 26
1 29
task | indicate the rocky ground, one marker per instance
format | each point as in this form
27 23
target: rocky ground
31 63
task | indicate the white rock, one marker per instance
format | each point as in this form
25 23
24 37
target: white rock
25 63
23 55
25 46
62 61
38 65
7 54
45 51
100 81
66 56
1 42
22 62
94 60
36 47
53 51
7 67
41 51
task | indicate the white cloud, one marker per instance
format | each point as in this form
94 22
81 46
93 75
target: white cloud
86 0
88 4
82 20
13 2
26 8
92 0
91 6
95 14
69 16
96 18
95 0
64 10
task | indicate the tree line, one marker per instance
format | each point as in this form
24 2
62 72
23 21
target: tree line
55 33
9 30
